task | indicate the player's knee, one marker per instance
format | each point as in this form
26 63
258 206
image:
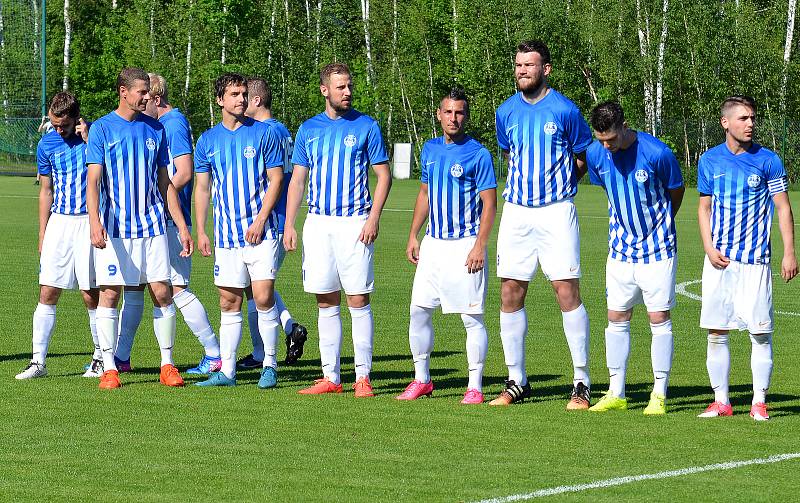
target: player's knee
620 316
357 301
718 338
568 294
472 321
49 295
658 317
761 339
512 296
329 299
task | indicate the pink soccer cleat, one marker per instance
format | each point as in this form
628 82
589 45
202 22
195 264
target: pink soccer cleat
415 390
717 409
759 412
472 396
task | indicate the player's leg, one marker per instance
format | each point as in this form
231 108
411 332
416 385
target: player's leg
329 324
164 327
196 318
91 298
268 327
477 347
296 334
363 330
44 321
754 301
107 320
254 360
761 366
130 317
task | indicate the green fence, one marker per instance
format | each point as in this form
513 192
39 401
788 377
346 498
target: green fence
18 139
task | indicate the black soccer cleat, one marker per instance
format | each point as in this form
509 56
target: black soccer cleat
513 393
294 343
248 362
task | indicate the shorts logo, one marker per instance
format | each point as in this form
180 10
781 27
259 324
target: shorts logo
456 170
753 181
150 143
550 128
641 175
216 270
249 152
350 140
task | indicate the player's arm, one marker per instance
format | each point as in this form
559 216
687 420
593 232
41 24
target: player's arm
580 165
45 203
370 231
170 194
293 197
97 233
421 211
786 224
255 233
717 259
82 129
476 260
183 172
202 197
676 196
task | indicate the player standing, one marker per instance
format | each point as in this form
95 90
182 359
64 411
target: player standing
741 183
458 196
126 193
644 185
335 148
543 135
243 159
66 257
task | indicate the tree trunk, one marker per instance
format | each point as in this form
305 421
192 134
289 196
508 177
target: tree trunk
787 51
316 36
662 42
272 33
430 88
455 30
3 60
36 34
367 42
224 34
643 30
188 55
703 139
67 42
152 29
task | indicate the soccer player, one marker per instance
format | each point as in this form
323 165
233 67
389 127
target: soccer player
335 149
543 136
180 169
741 183
458 196
643 182
259 107
243 159
126 192
64 246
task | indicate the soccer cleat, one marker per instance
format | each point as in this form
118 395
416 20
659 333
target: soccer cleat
608 402
123 366
363 388
269 378
472 396
759 412
717 409
513 393
217 379
110 380
415 390
248 362
33 370
656 406
579 398
170 376
207 365
95 369
294 343
320 387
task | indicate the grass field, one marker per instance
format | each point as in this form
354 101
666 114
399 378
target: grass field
68 441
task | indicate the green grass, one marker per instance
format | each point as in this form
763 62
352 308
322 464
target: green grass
65 440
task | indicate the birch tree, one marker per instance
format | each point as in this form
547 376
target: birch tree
787 51
67 42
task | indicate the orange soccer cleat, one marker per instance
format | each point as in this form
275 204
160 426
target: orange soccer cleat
170 376
363 387
321 386
110 380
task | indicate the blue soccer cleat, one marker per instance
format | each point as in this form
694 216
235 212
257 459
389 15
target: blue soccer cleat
207 365
269 378
217 379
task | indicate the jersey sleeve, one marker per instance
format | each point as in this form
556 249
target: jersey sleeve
484 171
43 165
500 130
179 138
423 167
704 186
592 166
578 133
299 155
777 181
376 151
668 170
201 163
162 156
95 147
272 149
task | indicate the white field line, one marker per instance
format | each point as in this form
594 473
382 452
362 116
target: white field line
618 481
680 288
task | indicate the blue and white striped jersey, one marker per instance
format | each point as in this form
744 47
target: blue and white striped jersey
637 181
338 154
541 141
64 161
455 174
238 161
285 138
179 142
131 153
741 189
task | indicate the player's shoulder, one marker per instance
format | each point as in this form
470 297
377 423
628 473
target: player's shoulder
653 146
560 103
319 120
174 118
510 104
359 118
761 152
50 141
595 151
714 153
474 145
149 122
279 127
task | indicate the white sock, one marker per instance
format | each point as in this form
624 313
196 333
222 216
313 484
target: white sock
93 329
477 345
661 349
44 320
761 365
255 335
230 335
618 348
268 328
576 329
329 324
286 317
363 330
196 318
107 319
513 328
129 318
164 328
718 363
420 340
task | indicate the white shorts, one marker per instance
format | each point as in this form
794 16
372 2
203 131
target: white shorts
180 267
132 261
442 277
631 283
67 258
546 235
738 297
237 267
334 258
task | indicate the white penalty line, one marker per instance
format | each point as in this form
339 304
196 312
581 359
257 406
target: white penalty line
618 481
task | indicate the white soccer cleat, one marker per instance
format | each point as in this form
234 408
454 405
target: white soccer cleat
95 369
33 370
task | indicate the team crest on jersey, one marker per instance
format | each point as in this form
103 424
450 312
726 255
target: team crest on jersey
249 152
350 140
150 143
641 175
550 127
456 170
753 181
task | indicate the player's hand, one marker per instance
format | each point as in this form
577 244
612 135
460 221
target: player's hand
187 242
255 233
788 267
82 129
98 235
476 259
204 244
289 239
412 250
717 259
369 233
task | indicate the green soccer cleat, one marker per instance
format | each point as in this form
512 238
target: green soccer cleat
657 405
610 402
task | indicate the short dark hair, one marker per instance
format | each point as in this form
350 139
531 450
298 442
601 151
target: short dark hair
455 94
330 69
128 76
256 86
607 116
736 100
228 79
535 46
65 104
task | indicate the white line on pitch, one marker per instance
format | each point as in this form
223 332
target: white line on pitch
618 481
680 288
